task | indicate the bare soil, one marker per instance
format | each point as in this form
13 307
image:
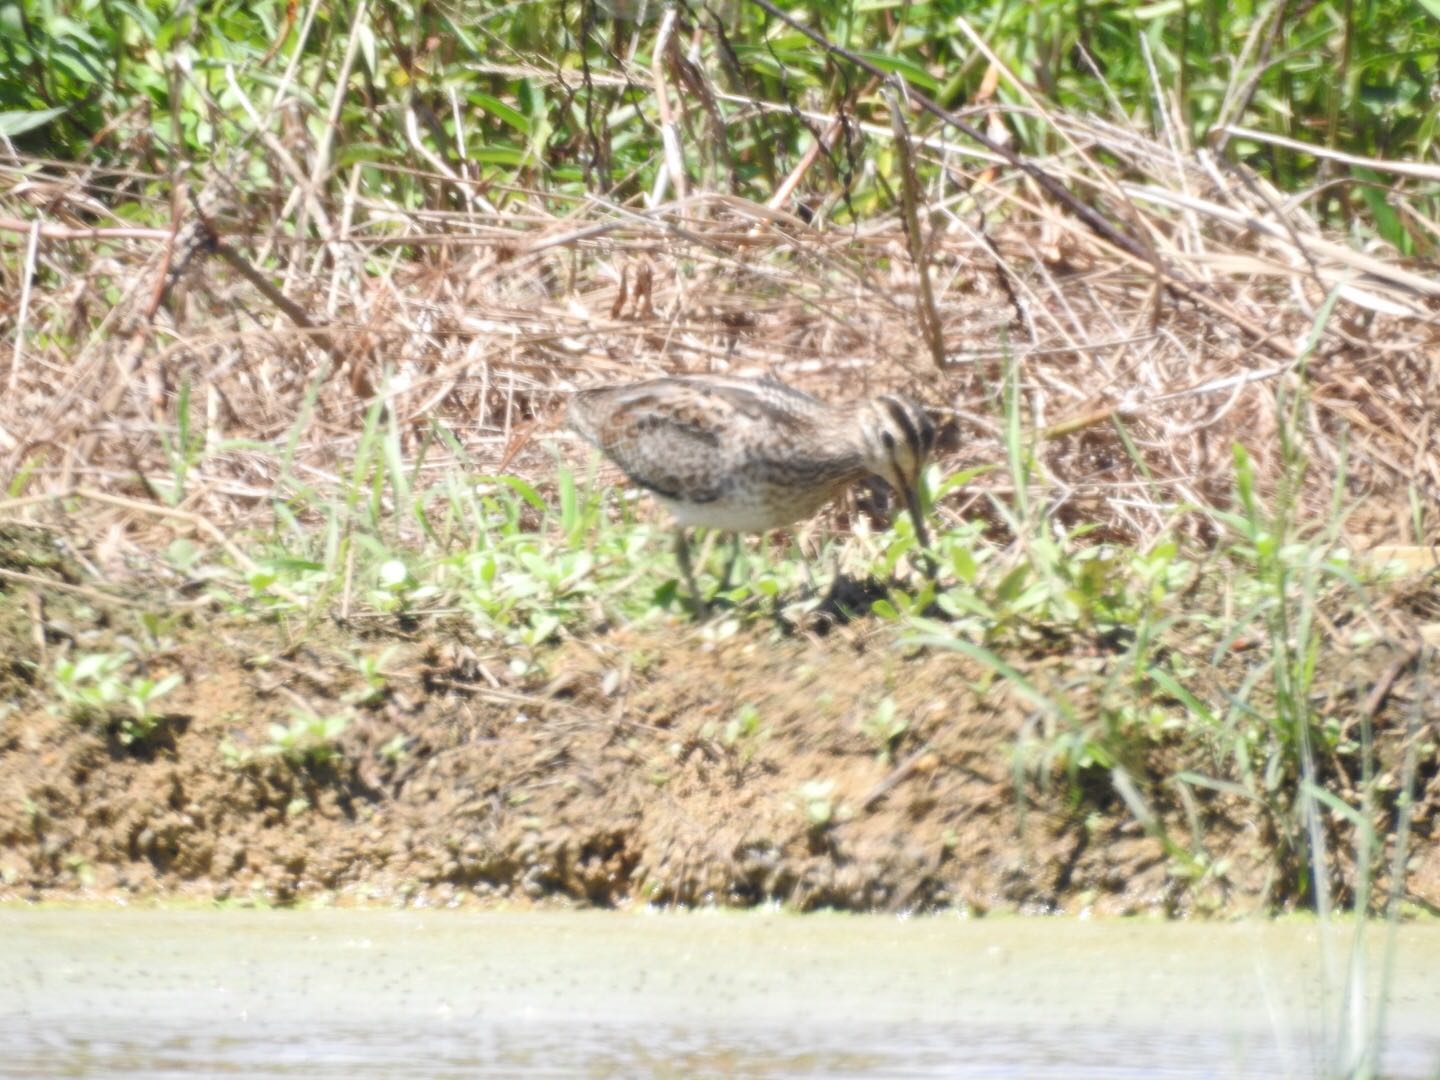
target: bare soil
674 765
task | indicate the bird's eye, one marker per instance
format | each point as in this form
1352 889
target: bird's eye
888 439
927 435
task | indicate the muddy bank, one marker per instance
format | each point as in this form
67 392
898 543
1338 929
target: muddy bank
674 765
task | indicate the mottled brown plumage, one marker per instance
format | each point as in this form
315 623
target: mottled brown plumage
750 456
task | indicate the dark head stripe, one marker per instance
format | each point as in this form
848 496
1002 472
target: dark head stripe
927 431
901 415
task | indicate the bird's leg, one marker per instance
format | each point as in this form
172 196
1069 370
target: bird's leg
682 556
833 605
730 562
811 588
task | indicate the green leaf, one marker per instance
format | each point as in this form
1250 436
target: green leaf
1337 804
367 47
294 564
542 626
146 20
499 155
884 609
19 121
363 152
91 666
1160 10
982 655
165 685
963 563
1387 220
508 113
1013 583
1227 787
913 72
521 488
957 480
1126 788
1172 686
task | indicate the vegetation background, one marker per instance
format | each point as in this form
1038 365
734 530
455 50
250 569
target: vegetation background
291 293
556 98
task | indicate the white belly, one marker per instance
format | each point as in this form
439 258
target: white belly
752 513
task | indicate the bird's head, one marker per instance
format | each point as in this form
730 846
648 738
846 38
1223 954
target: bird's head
898 438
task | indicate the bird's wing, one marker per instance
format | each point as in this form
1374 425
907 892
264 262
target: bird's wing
764 401
673 443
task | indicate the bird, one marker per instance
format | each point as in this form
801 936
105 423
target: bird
752 455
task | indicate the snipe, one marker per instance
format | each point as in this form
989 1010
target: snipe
751 456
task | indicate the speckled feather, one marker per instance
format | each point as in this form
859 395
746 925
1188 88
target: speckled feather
740 454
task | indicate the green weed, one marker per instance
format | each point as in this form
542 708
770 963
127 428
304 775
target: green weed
94 687
396 749
309 738
742 737
884 727
374 676
80 81
815 801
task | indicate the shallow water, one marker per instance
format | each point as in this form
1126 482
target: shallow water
454 994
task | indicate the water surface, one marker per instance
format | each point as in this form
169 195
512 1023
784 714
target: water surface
457 994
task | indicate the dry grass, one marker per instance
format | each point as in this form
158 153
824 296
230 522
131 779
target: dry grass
193 379
1137 375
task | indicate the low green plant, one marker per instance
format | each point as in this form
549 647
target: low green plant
396 749
82 869
156 632
374 676
816 802
309 738
90 684
397 590
744 727
184 450
234 755
141 694
742 736
884 728
94 687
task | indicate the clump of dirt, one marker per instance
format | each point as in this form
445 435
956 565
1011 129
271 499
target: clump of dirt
675 765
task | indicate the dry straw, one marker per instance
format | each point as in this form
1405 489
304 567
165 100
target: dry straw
1144 349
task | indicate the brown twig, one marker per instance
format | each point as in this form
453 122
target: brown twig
674 170
919 256
895 778
204 524
1386 680
1052 187
76 232
93 595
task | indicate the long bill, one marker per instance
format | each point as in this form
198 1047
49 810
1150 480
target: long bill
915 503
